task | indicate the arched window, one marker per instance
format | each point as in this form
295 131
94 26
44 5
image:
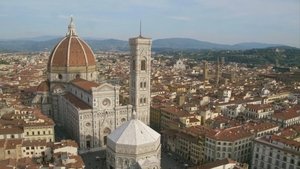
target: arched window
143 65
133 65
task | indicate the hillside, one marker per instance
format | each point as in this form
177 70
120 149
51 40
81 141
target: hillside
38 44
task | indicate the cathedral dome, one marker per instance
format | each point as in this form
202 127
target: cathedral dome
71 54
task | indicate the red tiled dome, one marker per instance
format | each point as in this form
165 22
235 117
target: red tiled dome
71 52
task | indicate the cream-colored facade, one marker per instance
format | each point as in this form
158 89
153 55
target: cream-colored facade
58 154
275 152
88 110
92 114
234 143
39 132
28 124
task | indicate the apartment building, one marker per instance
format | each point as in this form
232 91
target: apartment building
275 152
234 143
259 111
288 117
27 123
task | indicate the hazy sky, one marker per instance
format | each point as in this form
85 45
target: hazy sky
221 21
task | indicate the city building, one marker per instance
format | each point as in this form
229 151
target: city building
28 124
155 117
179 65
275 152
174 118
133 145
61 155
259 111
288 117
234 143
222 164
90 110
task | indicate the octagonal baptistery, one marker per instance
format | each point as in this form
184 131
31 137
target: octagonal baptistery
71 58
133 145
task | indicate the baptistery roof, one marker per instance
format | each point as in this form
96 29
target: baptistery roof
134 133
71 53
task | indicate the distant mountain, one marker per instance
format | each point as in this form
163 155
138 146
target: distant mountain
48 42
253 45
27 45
186 43
108 44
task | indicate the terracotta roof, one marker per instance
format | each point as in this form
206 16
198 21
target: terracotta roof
27 163
27 143
43 87
215 164
84 84
175 111
278 141
65 143
8 163
288 132
259 126
258 106
12 143
76 101
11 129
23 117
193 120
71 51
287 114
78 162
230 134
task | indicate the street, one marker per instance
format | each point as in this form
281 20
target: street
94 160
168 162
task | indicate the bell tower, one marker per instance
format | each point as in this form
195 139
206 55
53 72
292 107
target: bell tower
140 71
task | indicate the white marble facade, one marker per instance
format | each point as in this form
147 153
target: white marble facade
133 145
90 115
140 71
87 110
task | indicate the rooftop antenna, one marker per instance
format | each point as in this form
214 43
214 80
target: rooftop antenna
140 28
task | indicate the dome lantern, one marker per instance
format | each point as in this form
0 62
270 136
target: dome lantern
71 57
71 28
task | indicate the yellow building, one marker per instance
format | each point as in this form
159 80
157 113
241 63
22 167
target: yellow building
174 118
10 149
187 144
35 125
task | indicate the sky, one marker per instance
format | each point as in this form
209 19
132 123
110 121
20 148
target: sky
218 21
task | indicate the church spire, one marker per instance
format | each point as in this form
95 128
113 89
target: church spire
71 28
140 28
